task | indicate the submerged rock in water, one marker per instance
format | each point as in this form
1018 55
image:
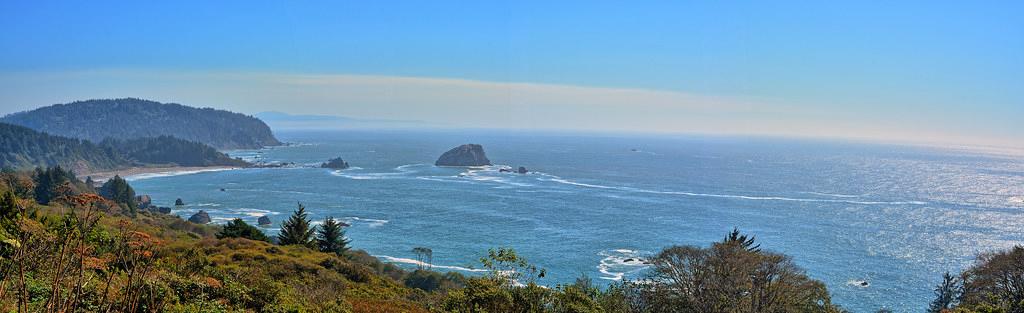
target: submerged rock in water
264 220
335 163
200 217
179 202
464 155
522 170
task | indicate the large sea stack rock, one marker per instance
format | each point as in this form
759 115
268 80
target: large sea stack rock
335 163
464 155
200 217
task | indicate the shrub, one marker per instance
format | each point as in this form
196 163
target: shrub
238 228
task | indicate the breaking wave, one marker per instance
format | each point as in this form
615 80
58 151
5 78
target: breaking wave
618 263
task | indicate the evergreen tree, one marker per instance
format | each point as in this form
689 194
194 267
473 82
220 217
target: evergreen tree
946 294
8 206
331 237
735 237
297 230
117 189
51 183
238 228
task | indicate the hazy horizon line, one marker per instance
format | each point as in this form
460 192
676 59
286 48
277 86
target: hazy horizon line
467 103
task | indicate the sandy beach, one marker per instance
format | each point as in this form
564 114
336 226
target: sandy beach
145 172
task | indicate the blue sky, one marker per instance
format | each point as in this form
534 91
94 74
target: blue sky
930 70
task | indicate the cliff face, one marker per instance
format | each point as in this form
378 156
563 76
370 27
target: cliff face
464 155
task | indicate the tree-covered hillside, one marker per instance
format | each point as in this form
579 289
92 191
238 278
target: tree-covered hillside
170 150
24 148
128 118
21 147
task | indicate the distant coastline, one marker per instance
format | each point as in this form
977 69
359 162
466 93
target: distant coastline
146 171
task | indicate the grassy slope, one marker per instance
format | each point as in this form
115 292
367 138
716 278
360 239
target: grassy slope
240 274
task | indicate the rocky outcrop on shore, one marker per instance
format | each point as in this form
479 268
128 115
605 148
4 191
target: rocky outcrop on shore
200 217
464 155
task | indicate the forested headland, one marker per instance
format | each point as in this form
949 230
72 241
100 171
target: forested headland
128 118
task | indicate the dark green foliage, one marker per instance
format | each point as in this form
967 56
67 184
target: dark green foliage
117 189
238 228
297 230
170 150
128 118
331 237
52 183
946 294
735 237
8 206
430 281
359 273
24 148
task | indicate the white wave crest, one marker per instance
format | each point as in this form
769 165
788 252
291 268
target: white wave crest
617 263
557 179
371 222
836 195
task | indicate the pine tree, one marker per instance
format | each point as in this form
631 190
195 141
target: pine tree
331 237
946 294
735 237
297 230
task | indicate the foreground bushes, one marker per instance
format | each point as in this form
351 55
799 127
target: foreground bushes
995 283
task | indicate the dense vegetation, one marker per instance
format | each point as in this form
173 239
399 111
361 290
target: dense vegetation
22 148
96 120
170 150
82 252
995 283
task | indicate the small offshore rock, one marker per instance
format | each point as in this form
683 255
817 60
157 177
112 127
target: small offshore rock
264 221
335 163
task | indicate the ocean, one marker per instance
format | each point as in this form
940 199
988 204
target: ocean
893 217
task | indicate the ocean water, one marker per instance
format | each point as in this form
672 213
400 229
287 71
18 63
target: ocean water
894 217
